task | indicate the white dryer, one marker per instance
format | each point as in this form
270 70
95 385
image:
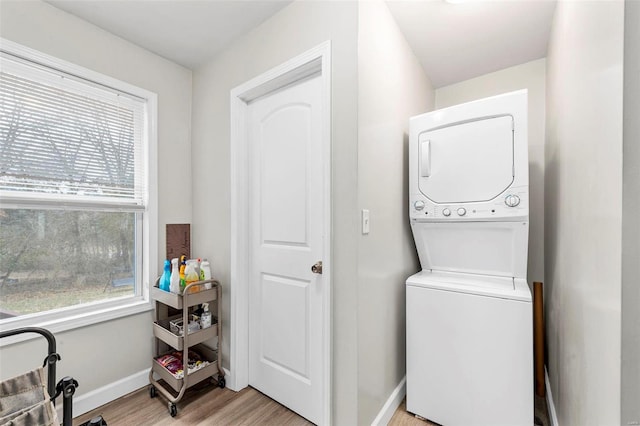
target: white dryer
469 311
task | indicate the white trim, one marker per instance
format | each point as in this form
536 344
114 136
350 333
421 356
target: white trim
551 408
393 402
313 61
327 307
83 403
228 377
71 318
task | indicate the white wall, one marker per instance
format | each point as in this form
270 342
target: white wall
104 353
392 87
531 76
295 29
630 391
583 200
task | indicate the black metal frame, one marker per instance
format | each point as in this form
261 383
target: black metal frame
67 386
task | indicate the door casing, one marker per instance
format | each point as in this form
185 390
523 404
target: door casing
314 61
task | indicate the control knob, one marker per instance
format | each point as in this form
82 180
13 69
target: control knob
418 205
462 211
512 200
446 212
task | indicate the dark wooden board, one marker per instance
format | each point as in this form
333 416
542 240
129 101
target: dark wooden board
178 240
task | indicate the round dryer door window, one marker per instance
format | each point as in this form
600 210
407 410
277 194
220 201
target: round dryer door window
466 162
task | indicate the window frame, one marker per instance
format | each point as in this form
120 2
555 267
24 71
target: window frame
73 317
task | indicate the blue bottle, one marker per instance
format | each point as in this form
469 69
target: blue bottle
165 279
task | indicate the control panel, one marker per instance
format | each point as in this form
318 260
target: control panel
513 203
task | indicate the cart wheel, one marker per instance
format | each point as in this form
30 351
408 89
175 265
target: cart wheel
152 391
173 410
221 382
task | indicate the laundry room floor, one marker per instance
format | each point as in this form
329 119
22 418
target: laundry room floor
201 405
209 405
403 418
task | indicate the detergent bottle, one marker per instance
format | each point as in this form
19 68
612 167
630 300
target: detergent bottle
205 273
191 275
165 279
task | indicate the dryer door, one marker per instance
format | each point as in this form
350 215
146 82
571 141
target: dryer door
465 162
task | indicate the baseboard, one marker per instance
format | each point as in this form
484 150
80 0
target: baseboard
229 379
96 398
393 402
553 418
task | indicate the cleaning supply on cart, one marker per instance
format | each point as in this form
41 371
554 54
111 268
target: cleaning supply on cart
165 279
205 318
173 363
205 273
197 262
183 265
174 283
200 270
191 276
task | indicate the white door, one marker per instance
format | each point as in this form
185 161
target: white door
285 240
467 162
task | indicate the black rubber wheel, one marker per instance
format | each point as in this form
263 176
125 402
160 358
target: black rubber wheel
152 391
221 382
173 410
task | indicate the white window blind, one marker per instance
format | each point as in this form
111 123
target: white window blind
69 141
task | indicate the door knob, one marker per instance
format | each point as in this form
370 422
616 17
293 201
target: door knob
317 268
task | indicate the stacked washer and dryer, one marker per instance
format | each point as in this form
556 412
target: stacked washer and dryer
469 311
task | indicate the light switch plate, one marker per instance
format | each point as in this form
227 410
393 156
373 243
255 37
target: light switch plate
365 221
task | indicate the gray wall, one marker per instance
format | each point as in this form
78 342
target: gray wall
630 391
122 347
583 220
295 29
392 87
531 76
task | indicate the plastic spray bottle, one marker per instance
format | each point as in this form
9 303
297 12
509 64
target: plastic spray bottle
174 283
183 265
165 279
205 318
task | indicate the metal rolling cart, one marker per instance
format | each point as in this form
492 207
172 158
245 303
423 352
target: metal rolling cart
168 338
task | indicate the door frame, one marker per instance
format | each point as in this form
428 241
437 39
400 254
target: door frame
316 61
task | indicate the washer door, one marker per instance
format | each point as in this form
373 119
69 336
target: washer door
467 162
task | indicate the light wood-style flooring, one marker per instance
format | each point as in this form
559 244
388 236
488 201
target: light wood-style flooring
201 405
206 404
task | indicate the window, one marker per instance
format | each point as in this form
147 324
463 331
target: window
76 201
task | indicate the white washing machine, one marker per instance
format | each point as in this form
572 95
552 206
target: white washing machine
469 311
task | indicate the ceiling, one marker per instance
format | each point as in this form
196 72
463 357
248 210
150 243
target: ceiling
189 32
453 42
459 40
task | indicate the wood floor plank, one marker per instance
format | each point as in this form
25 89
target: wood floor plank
207 405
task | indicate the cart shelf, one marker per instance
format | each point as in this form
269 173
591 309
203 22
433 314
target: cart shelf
192 378
176 301
162 332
